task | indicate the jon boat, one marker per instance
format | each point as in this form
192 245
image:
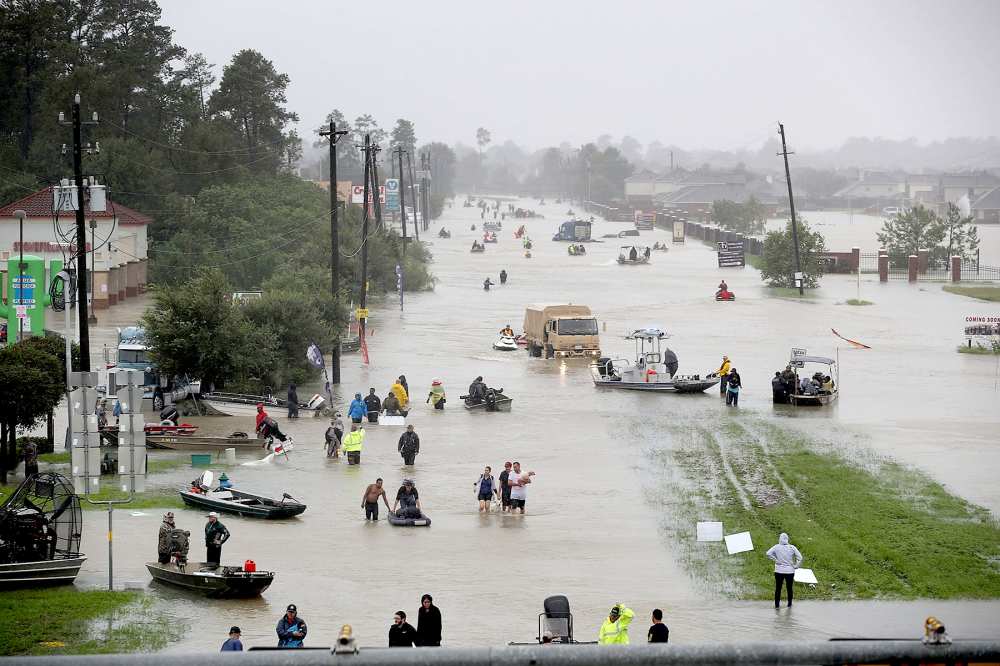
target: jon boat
647 372
178 442
214 581
799 359
244 503
241 404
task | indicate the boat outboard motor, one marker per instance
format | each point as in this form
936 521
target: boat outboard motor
606 367
491 400
558 619
169 415
179 542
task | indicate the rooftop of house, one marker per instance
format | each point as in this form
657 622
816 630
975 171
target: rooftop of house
40 204
989 201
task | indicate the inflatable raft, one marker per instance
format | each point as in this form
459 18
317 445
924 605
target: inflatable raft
399 521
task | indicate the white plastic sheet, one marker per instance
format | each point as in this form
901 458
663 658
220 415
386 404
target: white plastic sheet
709 531
805 576
738 543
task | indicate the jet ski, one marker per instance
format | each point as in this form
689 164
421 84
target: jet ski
725 296
505 343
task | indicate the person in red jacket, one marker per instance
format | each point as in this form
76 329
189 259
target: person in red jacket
261 415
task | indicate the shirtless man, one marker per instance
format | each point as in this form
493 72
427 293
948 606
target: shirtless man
370 500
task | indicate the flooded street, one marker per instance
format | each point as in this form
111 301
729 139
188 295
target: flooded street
593 528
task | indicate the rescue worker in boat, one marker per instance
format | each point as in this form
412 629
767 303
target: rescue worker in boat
476 246
614 631
507 330
477 391
670 361
487 283
723 374
723 289
633 254
163 542
503 276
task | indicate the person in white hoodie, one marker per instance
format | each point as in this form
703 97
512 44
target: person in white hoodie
787 559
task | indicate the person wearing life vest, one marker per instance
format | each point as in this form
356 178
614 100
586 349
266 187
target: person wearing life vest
352 443
614 631
723 373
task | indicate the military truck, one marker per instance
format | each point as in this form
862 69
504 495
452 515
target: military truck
561 330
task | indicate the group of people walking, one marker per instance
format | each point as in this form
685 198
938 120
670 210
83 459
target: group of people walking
730 382
511 488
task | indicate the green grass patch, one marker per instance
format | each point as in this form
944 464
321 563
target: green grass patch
756 261
979 350
56 458
66 620
881 531
858 301
160 498
165 464
982 293
791 292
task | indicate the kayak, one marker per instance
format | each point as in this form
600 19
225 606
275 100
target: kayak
399 521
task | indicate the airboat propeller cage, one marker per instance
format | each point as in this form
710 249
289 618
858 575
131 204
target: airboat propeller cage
557 618
41 521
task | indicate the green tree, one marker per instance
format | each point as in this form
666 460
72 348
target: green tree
778 260
33 382
292 318
251 98
483 139
404 135
961 235
195 330
907 233
366 124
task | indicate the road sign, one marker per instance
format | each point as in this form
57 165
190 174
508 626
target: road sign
392 195
24 290
357 194
731 254
362 313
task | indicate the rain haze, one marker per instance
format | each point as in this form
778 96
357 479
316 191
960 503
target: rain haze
697 75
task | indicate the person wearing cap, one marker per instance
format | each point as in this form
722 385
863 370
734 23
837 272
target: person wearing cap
428 623
401 633
408 501
357 410
374 405
477 391
216 534
723 373
291 628
163 543
233 643
334 434
436 396
352 444
614 631
409 445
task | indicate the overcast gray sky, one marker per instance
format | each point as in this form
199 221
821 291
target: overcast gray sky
704 74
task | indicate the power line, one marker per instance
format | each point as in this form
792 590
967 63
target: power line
235 151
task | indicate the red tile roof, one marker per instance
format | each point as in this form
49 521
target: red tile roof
39 204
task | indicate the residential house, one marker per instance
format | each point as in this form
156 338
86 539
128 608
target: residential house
986 209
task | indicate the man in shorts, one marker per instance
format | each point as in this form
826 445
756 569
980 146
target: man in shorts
505 487
370 501
518 489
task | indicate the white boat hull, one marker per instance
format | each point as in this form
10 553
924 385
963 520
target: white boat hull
46 572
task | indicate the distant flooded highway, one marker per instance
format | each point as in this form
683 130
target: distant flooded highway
593 529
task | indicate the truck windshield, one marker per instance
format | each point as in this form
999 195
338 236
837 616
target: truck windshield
577 327
132 356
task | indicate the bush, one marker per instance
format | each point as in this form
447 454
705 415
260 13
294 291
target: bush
778 260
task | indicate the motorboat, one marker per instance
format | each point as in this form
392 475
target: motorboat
243 503
444 233
40 528
182 442
813 395
505 343
650 371
660 247
212 580
242 404
478 248
490 237
630 255
495 401
492 226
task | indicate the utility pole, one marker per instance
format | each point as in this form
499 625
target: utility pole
402 210
333 134
799 278
426 189
376 188
364 237
417 200
81 231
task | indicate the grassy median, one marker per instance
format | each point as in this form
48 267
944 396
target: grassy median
66 620
982 293
869 528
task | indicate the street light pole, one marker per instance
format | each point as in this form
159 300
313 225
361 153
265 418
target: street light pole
20 214
92 317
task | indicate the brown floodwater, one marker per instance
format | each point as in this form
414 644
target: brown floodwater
592 531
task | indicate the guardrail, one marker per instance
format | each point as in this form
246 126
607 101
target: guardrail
710 654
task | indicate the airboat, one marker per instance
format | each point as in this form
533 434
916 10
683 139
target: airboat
650 371
40 527
630 255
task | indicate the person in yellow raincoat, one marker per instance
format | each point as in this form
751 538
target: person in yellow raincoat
614 631
400 392
723 373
